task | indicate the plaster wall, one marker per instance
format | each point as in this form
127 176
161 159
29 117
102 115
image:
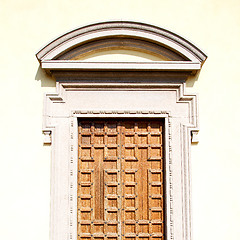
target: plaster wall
26 25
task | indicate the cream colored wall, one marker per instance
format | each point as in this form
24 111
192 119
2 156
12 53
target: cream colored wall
25 163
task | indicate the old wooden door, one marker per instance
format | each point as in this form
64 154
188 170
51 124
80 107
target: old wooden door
120 179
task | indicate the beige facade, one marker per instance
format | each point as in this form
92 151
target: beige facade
26 162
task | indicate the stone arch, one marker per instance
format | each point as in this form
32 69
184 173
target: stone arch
175 52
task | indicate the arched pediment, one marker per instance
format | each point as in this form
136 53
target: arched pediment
169 50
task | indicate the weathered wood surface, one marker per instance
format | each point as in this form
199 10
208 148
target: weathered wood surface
120 180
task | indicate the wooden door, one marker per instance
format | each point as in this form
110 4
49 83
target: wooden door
120 179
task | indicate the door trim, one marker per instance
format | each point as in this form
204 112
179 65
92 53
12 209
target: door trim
61 111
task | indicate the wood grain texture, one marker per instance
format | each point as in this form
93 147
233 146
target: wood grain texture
120 179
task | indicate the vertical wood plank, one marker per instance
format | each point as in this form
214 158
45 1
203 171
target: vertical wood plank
120 180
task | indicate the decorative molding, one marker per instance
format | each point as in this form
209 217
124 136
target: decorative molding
123 66
62 53
170 176
72 180
67 91
123 78
125 29
114 112
194 136
47 136
179 88
120 43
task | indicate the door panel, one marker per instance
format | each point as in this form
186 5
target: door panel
120 179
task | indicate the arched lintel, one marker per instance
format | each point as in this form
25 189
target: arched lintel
182 54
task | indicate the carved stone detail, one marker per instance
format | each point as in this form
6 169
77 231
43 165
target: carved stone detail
137 90
170 178
71 179
76 112
47 136
195 137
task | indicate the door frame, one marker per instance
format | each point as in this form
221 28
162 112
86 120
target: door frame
61 113
157 90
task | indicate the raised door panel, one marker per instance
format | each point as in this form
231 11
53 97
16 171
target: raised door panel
142 179
120 179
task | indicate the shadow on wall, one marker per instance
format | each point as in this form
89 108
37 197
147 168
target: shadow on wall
49 81
46 80
192 79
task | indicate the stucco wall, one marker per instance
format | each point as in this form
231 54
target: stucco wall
25 163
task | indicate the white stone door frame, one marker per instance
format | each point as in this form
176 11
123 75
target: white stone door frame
132 90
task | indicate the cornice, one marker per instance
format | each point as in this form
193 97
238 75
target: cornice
138 36
122 66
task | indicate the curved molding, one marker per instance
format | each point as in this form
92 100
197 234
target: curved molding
120 43
123 35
